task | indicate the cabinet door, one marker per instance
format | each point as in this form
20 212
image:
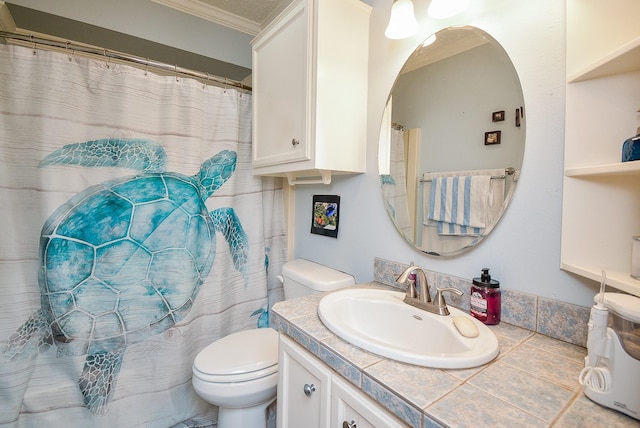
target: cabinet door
280 76
303 388
350 408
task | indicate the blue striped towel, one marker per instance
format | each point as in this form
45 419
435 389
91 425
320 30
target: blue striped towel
459 204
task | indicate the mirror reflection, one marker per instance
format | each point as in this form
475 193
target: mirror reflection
452 141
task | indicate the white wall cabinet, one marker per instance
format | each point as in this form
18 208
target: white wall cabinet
311 395
601 194
310 69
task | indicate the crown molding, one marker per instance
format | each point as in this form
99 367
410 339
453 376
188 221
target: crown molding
6 20
213 14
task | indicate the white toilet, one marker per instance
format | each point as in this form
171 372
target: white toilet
239 372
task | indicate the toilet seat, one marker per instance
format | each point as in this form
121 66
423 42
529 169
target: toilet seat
239 357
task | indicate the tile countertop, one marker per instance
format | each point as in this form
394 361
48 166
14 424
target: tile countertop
532 383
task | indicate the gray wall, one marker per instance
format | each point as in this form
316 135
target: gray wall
146 21
451 101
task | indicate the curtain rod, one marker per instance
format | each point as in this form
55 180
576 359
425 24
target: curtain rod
37 41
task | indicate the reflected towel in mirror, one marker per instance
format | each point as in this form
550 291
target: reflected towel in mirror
459 204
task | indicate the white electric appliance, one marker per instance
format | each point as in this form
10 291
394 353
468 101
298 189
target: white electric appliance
611 376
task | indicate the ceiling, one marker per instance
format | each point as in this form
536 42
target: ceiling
248 16
449 42
254 10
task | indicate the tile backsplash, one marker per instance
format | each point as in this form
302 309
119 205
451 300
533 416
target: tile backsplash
552 318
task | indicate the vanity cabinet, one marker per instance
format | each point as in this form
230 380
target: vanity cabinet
311 395
304 388
601 194
350 408
310 68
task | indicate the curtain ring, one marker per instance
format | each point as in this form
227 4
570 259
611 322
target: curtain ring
34 44
66 49
225 85
146 67
104 52
175 71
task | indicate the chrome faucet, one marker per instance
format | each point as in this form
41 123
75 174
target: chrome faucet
422 299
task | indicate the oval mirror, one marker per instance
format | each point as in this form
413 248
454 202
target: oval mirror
452 141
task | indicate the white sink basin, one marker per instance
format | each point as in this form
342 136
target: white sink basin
380 322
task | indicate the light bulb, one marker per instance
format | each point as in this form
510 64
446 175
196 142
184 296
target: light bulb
402 23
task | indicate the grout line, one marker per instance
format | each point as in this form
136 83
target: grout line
564 410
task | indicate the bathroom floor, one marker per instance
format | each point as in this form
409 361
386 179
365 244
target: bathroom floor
207 421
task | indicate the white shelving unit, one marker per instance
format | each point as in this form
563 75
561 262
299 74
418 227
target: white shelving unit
623 59
627 168
601 194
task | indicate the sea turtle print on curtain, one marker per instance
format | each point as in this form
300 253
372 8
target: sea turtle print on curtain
124 260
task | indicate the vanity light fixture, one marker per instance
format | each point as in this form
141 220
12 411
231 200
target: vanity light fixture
442 9
402 23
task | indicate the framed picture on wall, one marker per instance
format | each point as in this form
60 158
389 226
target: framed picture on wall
325 215
492 137
497 116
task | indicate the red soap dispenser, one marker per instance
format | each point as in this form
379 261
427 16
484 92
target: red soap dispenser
486 298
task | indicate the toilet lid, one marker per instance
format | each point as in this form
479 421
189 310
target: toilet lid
238 357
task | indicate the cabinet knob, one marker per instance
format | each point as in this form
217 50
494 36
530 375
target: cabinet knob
309 389
351 424
295 142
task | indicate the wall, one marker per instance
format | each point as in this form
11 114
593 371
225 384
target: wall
523 251
452 101
151 21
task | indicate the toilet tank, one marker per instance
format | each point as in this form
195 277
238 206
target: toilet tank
303 277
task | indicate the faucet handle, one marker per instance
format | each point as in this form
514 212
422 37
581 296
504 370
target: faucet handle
439 299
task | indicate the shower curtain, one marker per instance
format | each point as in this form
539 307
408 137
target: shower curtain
133 234
394 186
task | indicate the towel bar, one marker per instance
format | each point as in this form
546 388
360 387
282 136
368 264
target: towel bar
508 171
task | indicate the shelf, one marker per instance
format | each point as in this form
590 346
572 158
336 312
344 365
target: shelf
624 59
621 168
601 194
619 280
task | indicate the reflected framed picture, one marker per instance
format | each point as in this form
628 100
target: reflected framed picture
492 137
497 116
325 215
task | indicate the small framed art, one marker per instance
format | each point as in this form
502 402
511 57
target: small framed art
492 137
497 116
325 215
